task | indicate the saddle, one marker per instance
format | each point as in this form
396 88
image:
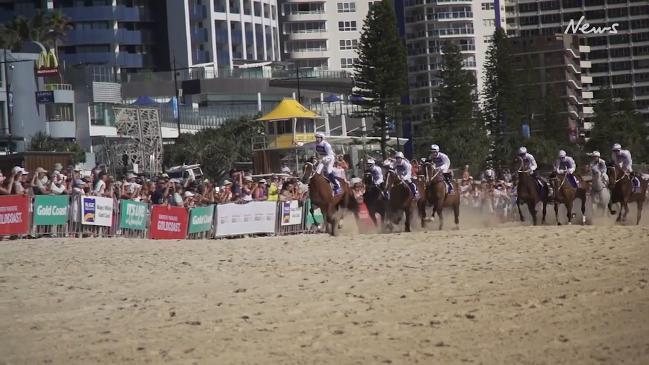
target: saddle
333 186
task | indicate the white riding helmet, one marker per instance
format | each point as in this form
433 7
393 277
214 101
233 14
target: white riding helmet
319 135
616 147
596 154
434 148
522 151
371 161
562 154
398 155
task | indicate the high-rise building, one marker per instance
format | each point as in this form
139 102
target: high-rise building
619 55
322 33
223 33
128 35
429 24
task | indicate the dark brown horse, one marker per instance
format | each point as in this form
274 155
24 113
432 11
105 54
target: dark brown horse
321 195
374 199
436 195
622 192
528 192
565 194
400 201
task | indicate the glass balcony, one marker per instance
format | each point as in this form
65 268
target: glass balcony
90 57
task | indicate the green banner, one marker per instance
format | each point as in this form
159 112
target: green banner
316 212
51 210
201 219
133 215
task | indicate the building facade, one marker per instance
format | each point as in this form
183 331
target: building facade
431 24
551 69
619 58
128 35
322 34
223 33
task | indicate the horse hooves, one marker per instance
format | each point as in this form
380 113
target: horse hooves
558 223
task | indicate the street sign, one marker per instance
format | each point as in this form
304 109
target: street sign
44 97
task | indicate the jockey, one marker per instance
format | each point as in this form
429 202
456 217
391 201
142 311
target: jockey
443 163
327 158
622 159
529 164
566 165
404 170
375 171
598 166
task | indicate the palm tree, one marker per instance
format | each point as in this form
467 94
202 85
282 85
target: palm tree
47 28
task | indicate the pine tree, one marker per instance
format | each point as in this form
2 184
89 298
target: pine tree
502 108
380 73
458 128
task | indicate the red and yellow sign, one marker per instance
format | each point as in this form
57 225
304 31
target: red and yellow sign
47 64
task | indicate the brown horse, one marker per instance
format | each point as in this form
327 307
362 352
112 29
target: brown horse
565 194
528 192
436 195
321 195
374 199
400 201
622 192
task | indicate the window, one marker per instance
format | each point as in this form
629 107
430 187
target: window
487 6
347 26
489 22
348 62
306 46
529 7
59 112
550 5
347 7
304 27
102 114
348 44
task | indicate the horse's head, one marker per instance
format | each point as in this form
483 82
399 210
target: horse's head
517 163
307 172
367 179
391 179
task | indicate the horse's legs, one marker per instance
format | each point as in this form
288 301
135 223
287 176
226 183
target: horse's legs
408 211
421 205
556 212
532 209
569 209
456 212
583 209
619 215
625 205
520 212
439 214
640 202
545 210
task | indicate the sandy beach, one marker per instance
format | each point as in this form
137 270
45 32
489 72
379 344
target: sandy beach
503 295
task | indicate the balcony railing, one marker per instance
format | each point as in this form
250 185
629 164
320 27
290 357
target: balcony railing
454 15
450 31
56 87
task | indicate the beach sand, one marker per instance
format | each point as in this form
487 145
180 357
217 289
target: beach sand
505 295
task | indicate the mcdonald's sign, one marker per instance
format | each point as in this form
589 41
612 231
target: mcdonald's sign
47 64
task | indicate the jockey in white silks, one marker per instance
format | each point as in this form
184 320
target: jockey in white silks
529 165
598 167
442 162
404 170
327 159
566 165
375 171
622 159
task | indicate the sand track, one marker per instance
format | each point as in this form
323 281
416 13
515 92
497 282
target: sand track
506 295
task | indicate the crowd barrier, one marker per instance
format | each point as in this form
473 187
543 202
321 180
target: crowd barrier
91 216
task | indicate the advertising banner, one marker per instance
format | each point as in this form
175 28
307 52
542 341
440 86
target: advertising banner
252 217
133 215
96 211
168 222
14 214
201 219
310 218
51 210
291 213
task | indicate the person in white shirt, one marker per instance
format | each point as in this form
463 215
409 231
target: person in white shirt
622 159
404 170
375 171
442 162
598 167
566 165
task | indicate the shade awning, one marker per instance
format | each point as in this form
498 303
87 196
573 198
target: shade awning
288 109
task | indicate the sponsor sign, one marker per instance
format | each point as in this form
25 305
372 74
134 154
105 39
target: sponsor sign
315 218
201 219
252 217
168 222
51 210
47 64
291 213
44 97
96 211
133 215
14 215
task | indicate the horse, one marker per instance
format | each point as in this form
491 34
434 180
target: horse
436 195
565 194
400 200
622 192
527 191
321 195
599 191
374 199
